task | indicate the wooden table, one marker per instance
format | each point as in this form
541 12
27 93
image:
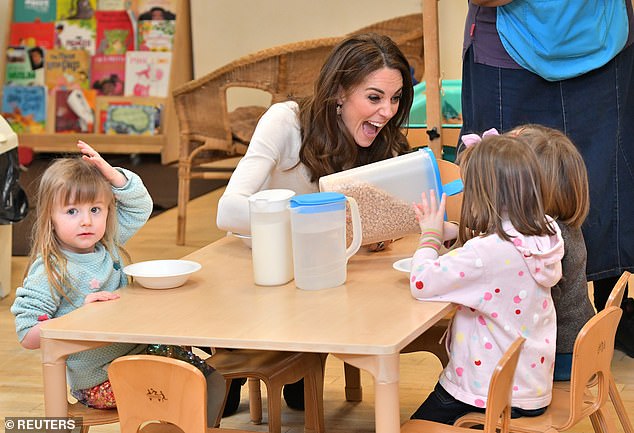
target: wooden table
365 322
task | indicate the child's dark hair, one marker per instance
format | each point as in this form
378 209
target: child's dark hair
502 181
567 196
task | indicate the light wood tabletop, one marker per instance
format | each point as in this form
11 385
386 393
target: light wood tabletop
365 322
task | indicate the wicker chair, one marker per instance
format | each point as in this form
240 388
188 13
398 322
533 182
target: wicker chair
206 129
209 132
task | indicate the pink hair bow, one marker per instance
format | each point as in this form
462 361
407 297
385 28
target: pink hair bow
470 140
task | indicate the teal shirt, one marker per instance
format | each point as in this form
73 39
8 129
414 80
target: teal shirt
96 271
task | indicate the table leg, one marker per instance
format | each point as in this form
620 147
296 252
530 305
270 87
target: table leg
385 370
54 353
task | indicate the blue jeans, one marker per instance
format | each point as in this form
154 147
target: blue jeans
596 110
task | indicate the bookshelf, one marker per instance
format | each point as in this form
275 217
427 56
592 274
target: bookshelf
165 143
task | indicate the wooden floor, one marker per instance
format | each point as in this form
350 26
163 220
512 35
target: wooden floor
20 370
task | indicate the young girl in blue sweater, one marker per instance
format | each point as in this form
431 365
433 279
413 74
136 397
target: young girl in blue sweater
86 211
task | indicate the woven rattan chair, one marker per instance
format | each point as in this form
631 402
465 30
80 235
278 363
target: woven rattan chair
209 132
206 129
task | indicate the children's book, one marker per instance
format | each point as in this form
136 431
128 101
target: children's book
28 11
75 9
25 66
107 74
156 9
156 35
115 33
147 73
76 35
24 107
67 69
32 35
132 119
75 111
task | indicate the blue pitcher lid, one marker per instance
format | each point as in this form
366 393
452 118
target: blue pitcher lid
317 198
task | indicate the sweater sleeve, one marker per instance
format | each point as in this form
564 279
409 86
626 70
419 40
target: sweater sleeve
134 205
271 139
33 301
449 278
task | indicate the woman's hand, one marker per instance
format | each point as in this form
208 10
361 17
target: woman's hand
114 176
100 296
429 213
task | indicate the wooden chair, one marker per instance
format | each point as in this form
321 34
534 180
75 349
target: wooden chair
166 392
91 417
275 369
498 410
614 300
432 339
209 132
592 355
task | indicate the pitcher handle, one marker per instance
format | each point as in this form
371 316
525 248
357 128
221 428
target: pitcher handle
356 228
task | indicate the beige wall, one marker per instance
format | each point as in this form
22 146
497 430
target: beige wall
226 29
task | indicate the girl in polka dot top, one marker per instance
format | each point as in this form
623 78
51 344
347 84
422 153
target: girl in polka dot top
501 275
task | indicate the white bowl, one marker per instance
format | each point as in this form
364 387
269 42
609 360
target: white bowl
403 265
162 274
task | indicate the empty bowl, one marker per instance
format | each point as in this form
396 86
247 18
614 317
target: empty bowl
162 274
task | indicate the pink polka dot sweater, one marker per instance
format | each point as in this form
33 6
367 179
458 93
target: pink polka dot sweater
503 291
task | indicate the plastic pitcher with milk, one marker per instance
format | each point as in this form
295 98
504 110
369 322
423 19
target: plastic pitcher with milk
271 246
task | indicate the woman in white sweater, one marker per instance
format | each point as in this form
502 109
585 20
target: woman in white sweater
362 97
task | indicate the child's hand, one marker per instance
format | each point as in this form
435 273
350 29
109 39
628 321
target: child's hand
429 213
115 177
100 296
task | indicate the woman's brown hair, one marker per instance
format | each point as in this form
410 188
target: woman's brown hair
566 192
502 181
327 146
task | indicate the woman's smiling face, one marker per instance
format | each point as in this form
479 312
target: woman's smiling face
368 107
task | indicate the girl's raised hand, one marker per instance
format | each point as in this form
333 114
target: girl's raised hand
100 296
114 176
429 213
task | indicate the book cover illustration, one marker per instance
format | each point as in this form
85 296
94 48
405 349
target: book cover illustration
75 9
107 73
156 9
24 66
67 69
115 33
115 5
32 35
24 107
28 11
156 35
147 73
76 35
132 119
75 111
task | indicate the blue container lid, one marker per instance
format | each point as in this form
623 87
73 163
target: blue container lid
336 199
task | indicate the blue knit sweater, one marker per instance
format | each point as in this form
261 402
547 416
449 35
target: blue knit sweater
90 272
